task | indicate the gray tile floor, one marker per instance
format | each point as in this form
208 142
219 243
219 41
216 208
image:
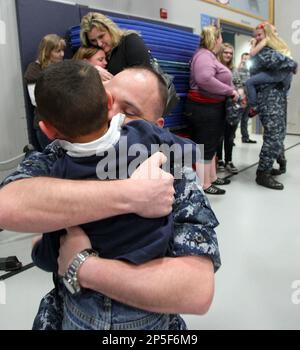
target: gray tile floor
259 238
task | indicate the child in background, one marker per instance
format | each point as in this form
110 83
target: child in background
271 39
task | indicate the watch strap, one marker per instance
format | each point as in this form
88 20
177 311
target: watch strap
70 277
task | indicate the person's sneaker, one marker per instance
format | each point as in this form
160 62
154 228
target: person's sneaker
252 112
249 141
231 167
265 179
221 182
214 190
221 165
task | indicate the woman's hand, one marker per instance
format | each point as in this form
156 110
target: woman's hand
253 42
71 244
243 97
104 74
235 96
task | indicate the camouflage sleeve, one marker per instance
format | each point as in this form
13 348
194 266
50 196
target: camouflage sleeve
35 164
272 60
194 221
236 79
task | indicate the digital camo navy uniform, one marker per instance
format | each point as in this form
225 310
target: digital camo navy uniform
193 217
272 103
194 222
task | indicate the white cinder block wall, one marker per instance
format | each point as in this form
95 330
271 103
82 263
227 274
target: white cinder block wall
186 13
13 133
287 20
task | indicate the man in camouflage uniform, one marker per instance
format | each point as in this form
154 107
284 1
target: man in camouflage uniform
194 224
194 221
244 74
271 102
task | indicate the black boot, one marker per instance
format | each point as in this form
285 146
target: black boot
282 165
282 168
265 179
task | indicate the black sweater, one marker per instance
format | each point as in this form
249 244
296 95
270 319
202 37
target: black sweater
131 51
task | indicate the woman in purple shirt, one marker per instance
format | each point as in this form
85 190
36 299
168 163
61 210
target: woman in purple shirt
210 84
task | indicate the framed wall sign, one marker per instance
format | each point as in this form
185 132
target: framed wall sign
262 10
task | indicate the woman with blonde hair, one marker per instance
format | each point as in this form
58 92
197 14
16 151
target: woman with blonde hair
210 84
123 48
270 38
226 57
51 50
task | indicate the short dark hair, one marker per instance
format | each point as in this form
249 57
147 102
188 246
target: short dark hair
163 90
245 54
70 95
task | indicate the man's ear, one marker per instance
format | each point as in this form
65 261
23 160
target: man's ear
110 100
49 130
160 122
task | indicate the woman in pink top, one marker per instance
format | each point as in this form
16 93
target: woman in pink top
210 84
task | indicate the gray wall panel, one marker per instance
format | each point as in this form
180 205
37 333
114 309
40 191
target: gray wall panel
13 134
288 25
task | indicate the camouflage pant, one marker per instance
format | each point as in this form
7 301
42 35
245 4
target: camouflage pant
272 113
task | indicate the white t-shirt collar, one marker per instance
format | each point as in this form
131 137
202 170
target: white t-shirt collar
109 139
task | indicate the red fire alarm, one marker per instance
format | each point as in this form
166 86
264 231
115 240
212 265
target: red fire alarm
163 13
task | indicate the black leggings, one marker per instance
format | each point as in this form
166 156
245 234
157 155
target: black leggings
228 139
206 123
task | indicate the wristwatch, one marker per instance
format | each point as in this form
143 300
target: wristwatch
70 277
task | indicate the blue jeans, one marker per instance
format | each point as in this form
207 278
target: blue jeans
266 78
51 314
93 311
